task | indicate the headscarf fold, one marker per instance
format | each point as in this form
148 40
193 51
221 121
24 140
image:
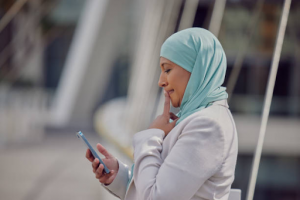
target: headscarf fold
199 52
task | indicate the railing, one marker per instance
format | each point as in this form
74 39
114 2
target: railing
23 113
23 110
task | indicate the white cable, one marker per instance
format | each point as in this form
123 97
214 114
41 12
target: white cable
268 98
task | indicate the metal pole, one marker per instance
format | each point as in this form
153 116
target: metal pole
217 16
16 7
268 99
188 14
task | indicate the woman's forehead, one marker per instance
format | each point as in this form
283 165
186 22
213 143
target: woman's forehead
165 61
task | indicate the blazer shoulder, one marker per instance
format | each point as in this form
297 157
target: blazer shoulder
205 117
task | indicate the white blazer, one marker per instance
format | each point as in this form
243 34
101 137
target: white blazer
196 160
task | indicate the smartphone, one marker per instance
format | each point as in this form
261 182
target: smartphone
82 137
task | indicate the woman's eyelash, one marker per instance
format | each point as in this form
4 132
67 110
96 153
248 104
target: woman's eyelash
167 70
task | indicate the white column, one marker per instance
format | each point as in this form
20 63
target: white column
77 60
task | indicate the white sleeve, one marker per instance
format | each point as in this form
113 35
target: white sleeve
119 185
196 156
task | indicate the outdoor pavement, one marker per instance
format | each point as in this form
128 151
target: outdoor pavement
55 168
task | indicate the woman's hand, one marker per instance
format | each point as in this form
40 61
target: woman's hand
162 121
110 161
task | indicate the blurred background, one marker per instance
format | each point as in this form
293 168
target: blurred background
93 65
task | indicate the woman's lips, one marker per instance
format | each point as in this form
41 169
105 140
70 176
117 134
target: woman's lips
170 92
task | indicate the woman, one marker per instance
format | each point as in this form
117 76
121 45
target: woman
191 155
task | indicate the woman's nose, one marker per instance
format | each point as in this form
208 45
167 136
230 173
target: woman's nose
162 81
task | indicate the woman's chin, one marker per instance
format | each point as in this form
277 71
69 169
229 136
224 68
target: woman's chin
175 105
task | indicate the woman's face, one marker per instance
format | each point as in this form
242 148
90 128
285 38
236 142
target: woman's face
174 80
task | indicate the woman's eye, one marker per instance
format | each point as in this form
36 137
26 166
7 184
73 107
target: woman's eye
167 71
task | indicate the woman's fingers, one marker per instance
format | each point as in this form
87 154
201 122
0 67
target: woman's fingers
166 104
89 155
173 116
108 178
95 163
98 168
174 122
104 178
103 151
111 177
171 126
162 121
99 171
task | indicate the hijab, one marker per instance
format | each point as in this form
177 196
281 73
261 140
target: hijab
198 51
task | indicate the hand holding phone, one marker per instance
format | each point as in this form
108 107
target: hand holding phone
110 162
82 137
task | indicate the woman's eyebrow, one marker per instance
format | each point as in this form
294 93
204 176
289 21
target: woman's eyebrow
164 64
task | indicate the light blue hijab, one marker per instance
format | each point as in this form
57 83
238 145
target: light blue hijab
199 52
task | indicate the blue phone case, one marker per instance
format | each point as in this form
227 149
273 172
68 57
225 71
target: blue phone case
82 137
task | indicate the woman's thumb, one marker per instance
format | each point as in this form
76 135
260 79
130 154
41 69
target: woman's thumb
103 151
